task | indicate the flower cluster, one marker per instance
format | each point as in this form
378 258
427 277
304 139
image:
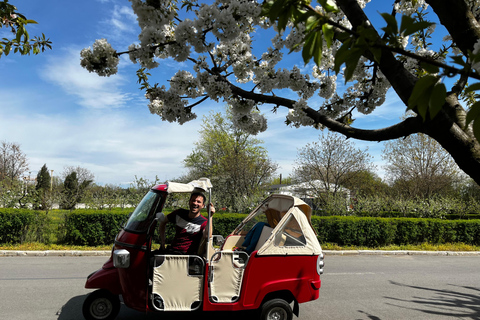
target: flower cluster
102 59
297 116
219 41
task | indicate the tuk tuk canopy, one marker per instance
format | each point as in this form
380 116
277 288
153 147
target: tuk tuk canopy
202 184
292 232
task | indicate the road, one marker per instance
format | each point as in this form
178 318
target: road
353 287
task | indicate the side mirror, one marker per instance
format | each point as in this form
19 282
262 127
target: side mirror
218 240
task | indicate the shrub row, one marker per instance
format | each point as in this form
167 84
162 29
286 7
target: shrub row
92 227
374 232
95 227
20 225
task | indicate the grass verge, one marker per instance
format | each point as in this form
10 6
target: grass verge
410 247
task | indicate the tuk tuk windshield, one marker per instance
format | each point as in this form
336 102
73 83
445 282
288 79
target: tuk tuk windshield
145 211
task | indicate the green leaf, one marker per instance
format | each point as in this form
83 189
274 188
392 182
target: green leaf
437 99
459 60
473 87
420 96
329 5
328 34
318 50
311 23
473 113
429 67
409 26
476 128
342 54
351 63
308 47
392 26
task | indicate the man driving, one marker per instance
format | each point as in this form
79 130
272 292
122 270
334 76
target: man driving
190 226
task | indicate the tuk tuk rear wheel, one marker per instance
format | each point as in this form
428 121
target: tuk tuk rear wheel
276 309
101 305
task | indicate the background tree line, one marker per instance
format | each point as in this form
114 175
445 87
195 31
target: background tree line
417 170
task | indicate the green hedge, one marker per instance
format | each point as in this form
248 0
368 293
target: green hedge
22 225
92 227
374 232
99 227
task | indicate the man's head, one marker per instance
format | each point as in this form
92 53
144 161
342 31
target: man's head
197 202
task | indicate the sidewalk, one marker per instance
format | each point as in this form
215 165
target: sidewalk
70 253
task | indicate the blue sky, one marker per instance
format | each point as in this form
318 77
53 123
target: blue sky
61 115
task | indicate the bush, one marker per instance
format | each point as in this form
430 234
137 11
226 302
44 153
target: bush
99 227
22 225
374 232
92 227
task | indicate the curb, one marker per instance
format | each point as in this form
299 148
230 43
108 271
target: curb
400 253
69 253
53 253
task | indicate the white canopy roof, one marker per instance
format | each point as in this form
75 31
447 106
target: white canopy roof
202 184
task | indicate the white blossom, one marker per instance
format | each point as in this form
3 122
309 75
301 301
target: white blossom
102 59
297 115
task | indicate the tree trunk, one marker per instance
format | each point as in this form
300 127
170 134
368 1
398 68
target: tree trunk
447 127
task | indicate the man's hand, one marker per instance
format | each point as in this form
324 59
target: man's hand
211 208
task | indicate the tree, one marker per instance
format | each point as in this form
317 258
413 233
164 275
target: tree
419 166
218 38
17 23
43 188
366 184
77 179
331 161
13 162
233 160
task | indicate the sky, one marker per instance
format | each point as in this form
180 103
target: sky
61 115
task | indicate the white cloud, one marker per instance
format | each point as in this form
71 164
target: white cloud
110 144
91 90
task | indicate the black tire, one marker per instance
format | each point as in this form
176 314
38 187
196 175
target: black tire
276 309
101 305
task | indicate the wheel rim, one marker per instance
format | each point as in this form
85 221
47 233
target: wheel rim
277 314
101 308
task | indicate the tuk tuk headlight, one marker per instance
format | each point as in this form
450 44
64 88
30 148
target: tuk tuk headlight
320 264
121 258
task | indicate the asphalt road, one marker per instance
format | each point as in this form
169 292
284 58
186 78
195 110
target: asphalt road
353 287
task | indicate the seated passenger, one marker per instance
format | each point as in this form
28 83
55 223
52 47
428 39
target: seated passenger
252 237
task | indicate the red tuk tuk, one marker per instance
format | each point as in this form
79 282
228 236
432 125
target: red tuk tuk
270 261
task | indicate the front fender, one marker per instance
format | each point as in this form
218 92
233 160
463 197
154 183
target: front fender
105 278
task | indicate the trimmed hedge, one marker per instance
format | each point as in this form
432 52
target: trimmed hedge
92 227
99 227
21 225
374 232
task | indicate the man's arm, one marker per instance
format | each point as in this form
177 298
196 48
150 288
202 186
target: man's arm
210 225
161 231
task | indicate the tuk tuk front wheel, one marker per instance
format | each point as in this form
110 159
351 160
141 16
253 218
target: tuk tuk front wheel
276 309
101 305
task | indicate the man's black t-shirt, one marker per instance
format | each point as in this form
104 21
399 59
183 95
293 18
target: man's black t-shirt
188 232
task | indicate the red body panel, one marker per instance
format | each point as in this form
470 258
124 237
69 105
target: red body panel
105 278
267 274
133 280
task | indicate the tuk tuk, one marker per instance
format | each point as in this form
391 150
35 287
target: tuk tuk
271 261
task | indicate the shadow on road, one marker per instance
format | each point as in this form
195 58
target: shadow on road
458 302
72 310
